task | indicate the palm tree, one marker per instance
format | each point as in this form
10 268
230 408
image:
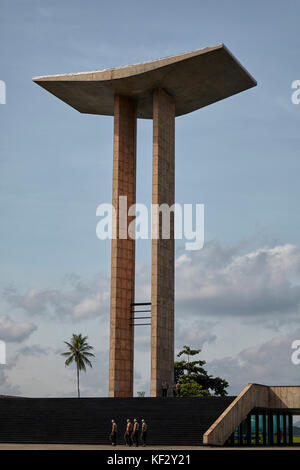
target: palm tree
78 352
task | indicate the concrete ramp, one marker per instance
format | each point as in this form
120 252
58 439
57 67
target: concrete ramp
253 396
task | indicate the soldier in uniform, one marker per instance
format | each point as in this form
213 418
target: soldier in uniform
127 435
144 432
113 434
135 433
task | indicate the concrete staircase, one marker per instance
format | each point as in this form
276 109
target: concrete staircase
171 421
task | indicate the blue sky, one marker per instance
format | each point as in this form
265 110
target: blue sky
239 157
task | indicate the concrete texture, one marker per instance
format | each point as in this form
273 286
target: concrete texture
123 251
194 79
253 396
162 284
281 396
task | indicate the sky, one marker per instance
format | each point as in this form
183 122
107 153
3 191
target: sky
239 297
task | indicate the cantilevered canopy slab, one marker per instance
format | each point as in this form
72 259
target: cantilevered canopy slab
195 79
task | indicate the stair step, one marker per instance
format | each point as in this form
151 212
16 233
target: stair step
171 421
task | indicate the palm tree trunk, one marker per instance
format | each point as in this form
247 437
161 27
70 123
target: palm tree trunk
78 390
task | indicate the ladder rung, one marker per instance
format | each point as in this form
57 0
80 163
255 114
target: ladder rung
139 318
140 311
140 303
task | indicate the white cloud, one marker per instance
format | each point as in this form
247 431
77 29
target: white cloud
268 363
218 281
194 333
15 331
89 306
76 299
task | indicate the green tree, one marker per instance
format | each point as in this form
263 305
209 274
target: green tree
186 371
78 352
191 388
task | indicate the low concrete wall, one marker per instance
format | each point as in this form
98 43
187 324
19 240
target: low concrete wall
284 396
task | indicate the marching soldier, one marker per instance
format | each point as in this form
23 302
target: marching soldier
127 435
113 434
135 433
144 432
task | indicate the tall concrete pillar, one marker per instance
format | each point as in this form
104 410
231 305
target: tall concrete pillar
123 251
162 283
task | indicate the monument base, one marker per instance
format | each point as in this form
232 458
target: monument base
171 421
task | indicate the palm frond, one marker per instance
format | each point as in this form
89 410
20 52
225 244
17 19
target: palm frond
87 361
89 354
69 361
